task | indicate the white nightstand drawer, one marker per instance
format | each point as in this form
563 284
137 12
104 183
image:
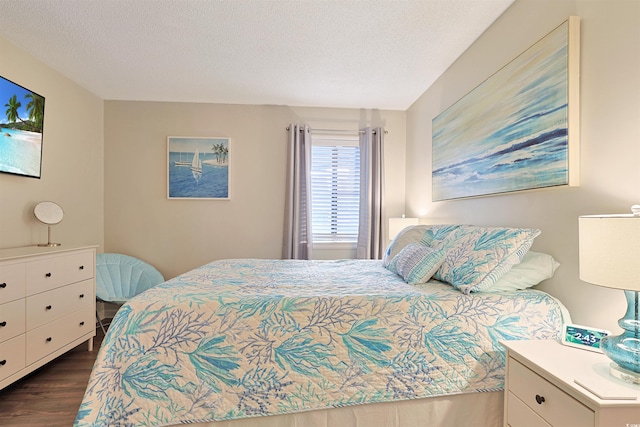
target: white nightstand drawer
12 279
552 404
50 337
12 321
12 357
45 307
520 415
52 272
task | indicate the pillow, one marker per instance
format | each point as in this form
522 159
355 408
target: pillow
533 269
476 257
416 263
412 234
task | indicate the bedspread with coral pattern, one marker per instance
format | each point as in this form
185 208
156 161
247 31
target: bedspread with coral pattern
243 338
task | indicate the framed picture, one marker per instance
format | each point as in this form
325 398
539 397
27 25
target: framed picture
198 168
21 127
519 129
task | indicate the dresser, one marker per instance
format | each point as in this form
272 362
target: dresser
47 306
551 385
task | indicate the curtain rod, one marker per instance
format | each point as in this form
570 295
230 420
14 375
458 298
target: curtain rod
339 130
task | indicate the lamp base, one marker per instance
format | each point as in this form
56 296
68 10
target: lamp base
624 349
624 374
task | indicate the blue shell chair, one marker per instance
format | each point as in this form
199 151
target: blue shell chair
121 277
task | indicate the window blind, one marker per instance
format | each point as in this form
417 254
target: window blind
335 189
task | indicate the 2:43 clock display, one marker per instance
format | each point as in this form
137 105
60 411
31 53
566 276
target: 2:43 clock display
583 337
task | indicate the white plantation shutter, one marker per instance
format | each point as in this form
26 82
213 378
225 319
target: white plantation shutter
335 188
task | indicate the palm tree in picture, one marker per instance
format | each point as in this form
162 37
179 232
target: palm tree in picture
35 108
12 109
221 152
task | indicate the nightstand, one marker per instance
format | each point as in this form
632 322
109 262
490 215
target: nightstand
551 385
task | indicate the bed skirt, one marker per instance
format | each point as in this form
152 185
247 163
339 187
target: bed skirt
468 410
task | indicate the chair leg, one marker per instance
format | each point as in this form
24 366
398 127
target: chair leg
100 322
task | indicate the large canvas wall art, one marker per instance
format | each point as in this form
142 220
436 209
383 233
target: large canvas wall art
518 130
198 168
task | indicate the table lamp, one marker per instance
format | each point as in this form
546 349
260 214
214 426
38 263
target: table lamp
610 257
396 225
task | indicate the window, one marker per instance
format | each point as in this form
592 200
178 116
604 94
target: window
335 188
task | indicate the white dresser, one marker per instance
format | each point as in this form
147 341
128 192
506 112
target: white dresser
545 387
47 306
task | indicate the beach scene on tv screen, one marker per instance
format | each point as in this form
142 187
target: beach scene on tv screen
21 123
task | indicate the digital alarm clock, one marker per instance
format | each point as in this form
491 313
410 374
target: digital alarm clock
584 337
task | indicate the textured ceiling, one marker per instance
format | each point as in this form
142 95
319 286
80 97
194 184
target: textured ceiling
330 53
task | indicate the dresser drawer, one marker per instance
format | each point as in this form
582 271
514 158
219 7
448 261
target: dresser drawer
51 272
12 321
48 306
12 281
52 336
12 356
556 408
520 415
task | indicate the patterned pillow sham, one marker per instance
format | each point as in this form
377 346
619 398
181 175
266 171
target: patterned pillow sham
416 263
476 257
412 234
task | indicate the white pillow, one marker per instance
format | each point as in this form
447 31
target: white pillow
533 269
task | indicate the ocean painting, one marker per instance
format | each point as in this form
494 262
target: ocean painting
512 132
198 168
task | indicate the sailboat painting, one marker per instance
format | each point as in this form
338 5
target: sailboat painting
198 168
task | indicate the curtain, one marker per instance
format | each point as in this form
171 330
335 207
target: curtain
297 228
371 229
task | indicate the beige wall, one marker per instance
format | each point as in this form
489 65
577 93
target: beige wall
610 139
178 235
72 164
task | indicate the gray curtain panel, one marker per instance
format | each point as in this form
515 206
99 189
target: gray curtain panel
297 242
372 228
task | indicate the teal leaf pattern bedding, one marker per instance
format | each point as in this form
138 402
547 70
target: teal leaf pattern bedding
245 338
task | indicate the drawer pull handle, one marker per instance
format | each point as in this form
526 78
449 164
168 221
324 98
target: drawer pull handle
81 295
81 267
3 324
3 285
49 307
49 339
3 362
47 275
81 323
539 399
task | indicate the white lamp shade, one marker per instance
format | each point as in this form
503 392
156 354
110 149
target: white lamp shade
396 225
610 251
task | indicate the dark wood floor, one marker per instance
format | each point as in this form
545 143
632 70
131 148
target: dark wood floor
51 395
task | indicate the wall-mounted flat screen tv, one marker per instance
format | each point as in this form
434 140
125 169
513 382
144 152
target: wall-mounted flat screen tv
21 124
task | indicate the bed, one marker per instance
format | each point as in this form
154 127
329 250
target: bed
251 342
